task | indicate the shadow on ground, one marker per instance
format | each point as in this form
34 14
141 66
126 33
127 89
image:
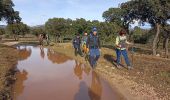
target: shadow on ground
110 59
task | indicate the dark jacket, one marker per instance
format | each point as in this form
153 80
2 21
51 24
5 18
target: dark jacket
76 42
93 42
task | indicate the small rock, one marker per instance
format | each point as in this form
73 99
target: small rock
113 67
158 55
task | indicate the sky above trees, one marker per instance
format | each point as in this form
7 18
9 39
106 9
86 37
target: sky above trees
37 12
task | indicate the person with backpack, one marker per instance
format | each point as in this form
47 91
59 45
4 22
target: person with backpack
93 43
121 49
77 44
85 50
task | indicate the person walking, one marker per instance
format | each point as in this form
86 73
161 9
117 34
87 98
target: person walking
47 39
93 43
121 49
77 44
85 50
40 37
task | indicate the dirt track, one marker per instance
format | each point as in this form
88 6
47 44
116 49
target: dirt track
150 79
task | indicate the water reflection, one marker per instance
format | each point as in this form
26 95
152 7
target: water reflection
42 52
19 84
24 52
56 57
48 75
86 69
95 90
82 93
78 70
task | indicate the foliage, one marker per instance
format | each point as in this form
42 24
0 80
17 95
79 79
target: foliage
68 28
17 29
8 13
37 30
2 31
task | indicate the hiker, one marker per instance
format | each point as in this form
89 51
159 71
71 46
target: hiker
0 38
93 43
47 39
121 48
85 50
76 44
40 39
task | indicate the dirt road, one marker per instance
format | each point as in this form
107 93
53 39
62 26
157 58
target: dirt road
150 79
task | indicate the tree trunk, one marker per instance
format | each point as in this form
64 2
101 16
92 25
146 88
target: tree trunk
156 39
166 47
159 40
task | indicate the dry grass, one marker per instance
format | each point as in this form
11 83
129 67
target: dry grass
8 61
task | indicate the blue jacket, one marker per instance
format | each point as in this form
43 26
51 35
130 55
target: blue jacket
93 41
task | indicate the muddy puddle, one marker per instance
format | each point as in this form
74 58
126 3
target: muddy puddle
47 75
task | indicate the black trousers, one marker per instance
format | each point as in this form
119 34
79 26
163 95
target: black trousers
78 51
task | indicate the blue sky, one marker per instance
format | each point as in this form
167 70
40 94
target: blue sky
37 12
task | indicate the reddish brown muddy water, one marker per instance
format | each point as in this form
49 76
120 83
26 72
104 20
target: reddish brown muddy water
47 75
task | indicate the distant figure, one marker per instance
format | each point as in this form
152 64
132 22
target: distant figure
0 38
77 44
121 44
47 39
57 39
93 43
41 37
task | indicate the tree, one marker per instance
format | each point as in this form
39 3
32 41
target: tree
24 29
13 30
166 35
37 30
114 15
56 27
67 28
2 31
10 15
155 12
17 29
140 35
7 12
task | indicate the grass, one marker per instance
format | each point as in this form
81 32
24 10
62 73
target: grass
8 61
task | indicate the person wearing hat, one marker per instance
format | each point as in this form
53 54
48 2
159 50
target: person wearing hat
93 43
121 49
77 44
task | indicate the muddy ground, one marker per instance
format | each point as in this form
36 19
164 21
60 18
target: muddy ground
8 61
149 80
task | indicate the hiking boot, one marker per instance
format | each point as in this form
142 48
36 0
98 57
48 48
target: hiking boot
130 67
95 65
119 67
